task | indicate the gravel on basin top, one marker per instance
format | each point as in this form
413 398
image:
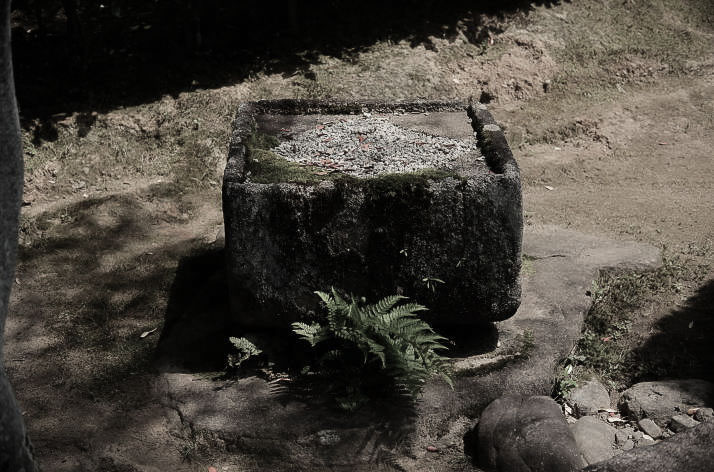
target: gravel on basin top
367 146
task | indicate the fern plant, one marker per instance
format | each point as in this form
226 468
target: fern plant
388 333
244 351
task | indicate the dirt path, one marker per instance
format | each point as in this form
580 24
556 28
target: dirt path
639 167
611 122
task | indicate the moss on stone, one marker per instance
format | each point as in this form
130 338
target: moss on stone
389 182
266 167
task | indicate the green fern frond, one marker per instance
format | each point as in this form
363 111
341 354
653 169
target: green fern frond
326 298
405 326
245 346
446 378
388 332
383 306
408 310
245 350
312 333
378 350
338 301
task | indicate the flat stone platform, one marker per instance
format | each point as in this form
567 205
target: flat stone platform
259 422
421 199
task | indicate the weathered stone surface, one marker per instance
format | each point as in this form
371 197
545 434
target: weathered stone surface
704 414
661 400
690 450
375 236
679 423
594 438
528 434
588 398
650 427
645 441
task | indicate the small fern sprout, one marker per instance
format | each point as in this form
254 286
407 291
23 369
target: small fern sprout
245 350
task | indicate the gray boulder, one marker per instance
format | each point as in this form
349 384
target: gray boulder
704 414
688 451
526 434
659 401
623 435
679 423
595 438
588 398
650 428
449 239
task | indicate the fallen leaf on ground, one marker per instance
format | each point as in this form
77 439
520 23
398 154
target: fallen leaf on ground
146 333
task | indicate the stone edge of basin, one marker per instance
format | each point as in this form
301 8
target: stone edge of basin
490 137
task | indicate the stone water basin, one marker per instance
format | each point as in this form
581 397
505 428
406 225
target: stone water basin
421 199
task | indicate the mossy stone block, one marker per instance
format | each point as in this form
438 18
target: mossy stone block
449 238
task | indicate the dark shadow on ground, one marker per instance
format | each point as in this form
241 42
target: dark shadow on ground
196 326
95 277
198 322
683 346
465 341
121 53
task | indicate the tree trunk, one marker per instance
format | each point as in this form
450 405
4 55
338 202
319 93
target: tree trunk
15 449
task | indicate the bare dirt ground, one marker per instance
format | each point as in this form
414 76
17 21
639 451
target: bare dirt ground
608 106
